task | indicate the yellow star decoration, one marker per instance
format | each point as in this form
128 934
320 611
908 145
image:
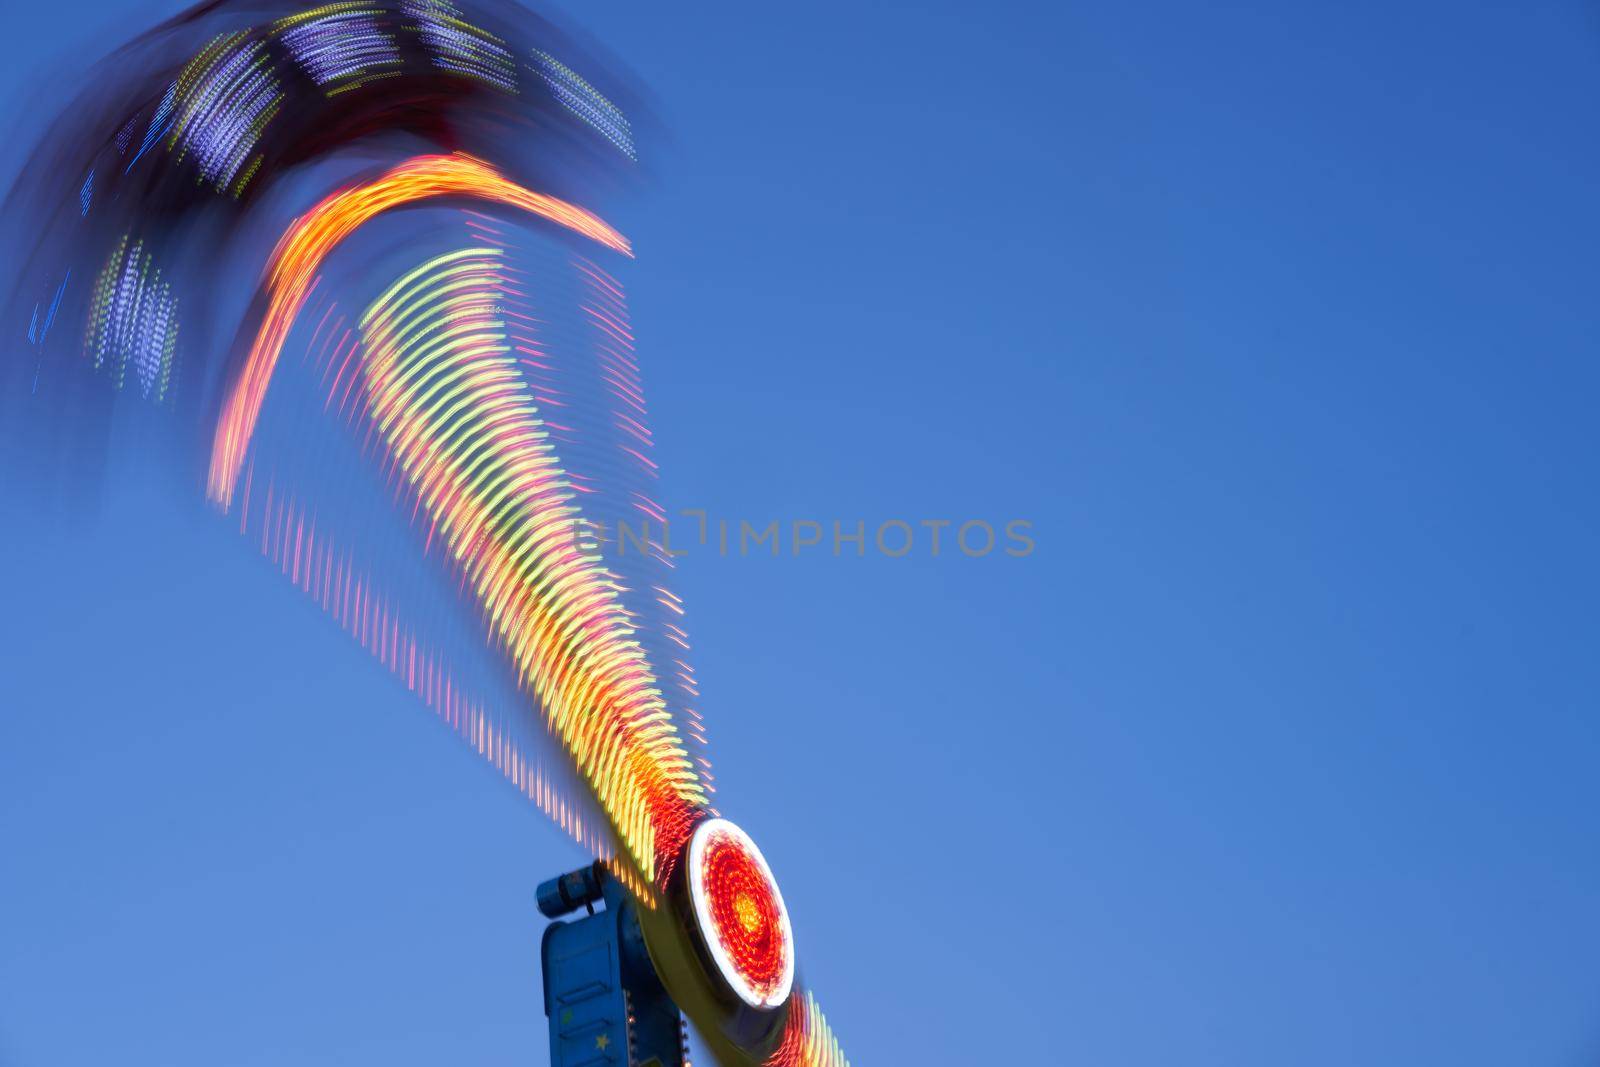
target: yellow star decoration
602 1041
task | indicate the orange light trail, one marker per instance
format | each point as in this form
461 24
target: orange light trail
294 264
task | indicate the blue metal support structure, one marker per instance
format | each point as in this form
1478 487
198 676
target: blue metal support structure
605 1003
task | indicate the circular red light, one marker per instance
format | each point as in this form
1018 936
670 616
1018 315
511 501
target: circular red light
741 913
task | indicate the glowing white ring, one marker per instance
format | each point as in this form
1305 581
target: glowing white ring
708 928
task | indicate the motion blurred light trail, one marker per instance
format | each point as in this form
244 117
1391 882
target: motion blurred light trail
296 259
458 416
217 200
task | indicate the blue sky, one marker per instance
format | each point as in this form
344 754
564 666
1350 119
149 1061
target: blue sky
1277 321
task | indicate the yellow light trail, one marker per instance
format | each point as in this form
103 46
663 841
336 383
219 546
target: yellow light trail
298 256
446 392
